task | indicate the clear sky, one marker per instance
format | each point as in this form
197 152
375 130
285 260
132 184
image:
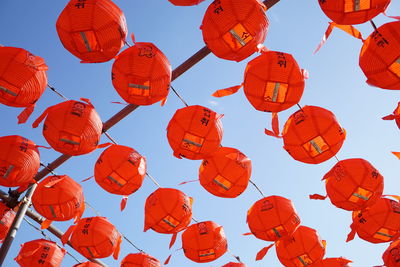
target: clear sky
336 83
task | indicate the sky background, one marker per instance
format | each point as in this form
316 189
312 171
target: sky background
336 83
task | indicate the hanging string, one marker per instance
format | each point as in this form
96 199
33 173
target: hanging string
127 44
373 24
337 158
258 189
236 257
58 93
299 107
177 94
109 137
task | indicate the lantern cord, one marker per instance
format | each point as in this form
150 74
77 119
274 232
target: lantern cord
258 189
373 24
93 209
127 44
299 107
58 93
109 137
130 242
337 158
177 94
153 180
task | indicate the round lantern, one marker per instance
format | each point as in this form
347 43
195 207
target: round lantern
141 74
303 248
391 256
19 160
7 216
92 30
167 211
185 2
71 127
94 237
194 132
380 57
350 12
140 260
226 173
232 29
333 262
204 242
59 198
313 135
235 264
87 264
40 252
377 224
272 218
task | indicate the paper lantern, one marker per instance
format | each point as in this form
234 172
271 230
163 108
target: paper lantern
40 252
194 132
313 135
380 57
19 160
232 29
88 264
185 2
235 264
302 249
272 218
71 127
92 30
333 262
94 237
141 74
167 211
352 12
59 198
7 216
391 256
226 173
204 242
140 260
377 224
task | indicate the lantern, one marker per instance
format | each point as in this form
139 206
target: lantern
235 264
391 256
204 242
88 264
194 132
19 160
352 12
92 30
141 74
272 218
167 211
140 260
185 2
226 173
7 216
380 57
377 224
333 262
303 248
94 237
40 252
71 127
232 29
313 135
59 198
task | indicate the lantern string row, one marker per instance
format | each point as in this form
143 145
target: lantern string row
179 96
373 24
57 92
258 189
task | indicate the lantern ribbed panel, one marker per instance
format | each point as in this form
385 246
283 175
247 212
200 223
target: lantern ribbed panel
88 264
235 264
226 173
353 184
40 253
120 170
391 256
185 2
19 160
94 30
232 29
23 77
141 74
139 260
7 216
333 262
313 135
380 57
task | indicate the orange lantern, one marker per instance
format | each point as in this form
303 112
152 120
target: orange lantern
94 237
58 198
167 211
88 264
92 30
391 256
333 262
185 2
140 260
7 216
313 135
349 12
40 252
380 57
23 79
141 74
272 218
232 29
204 242
226 173
377 224
71 127
194 132
19 160
303 248
235 264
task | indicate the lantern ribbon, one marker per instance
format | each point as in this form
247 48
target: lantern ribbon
87 179
53 182
65 237
25 114
123 202
317 196
352 233
169 257
117 248
173 239
227 91
397 154
275 126
45 224
261 254
186 182
36 123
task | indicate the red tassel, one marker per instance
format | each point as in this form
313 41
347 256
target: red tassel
317 196
87 179
67 234
186 182
390 117
45 224
352 234
104 145
275 123
25 114
168 259
227 91
261 254
123 202
117 248
247 234
397 154
173 239
120 103
36 123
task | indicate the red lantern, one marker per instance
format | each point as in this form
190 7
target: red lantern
226 173
19 161
204 242
232 29
185 2
391 256
40 252
7 216
71 127
333 262
92 30
194 132
235 264
141 74
140 260
313 135
88 264
272 218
